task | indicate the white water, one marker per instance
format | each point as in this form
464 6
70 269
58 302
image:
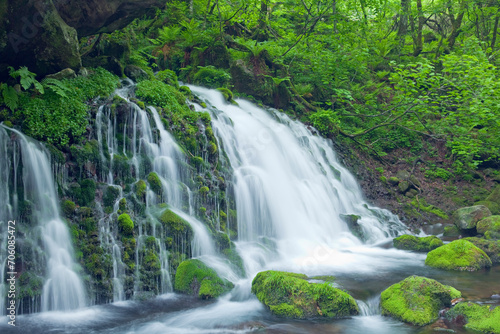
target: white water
290 191
63 290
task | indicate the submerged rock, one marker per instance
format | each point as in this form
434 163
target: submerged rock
195 278
290 295
458 255
476 317
467 218
417 300
411 242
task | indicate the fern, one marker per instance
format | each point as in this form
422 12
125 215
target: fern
27 78
10 97
57 86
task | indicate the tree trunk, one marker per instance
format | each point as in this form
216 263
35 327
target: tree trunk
495 31
420 25
456 23
403 23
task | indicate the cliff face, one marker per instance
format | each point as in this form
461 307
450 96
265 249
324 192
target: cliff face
43 34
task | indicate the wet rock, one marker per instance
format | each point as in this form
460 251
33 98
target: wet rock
467 218
459 255
490 247
67 73
290 295
417 300
490 227
354 226
451 231
135 73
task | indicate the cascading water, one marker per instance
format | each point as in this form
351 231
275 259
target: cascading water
290 190
63 289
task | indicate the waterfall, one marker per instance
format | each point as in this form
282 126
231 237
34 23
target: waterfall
63 288
292 195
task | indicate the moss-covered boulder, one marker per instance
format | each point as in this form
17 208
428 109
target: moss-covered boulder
126 224
458 255
417 300
155 182
492 206
467 218
477 317
419 244
354 226
490 247
494 196
490 227
451 231
290 295
193 277
173 223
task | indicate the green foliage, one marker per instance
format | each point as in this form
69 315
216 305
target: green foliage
140 189
195 278
162 95
173 223
169 77
417 300
290 295
155 183
68 207
26 78
211 77
458 255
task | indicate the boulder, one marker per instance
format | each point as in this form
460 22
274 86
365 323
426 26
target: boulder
195 278
67 73
136 73
290 295
467 218
492 206
494 196
459 255
490 227
417 300
419 244
490 247
477 317
451 231
354 226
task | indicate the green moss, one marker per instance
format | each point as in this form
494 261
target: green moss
169 77
30 285
212 148
203 191
478 317
417 300
155 182
126 224
393 181
489 224
451 231
410 242
211 77
195 278
110 196
466 218
492 206
421 204
123 205
458 255
160 94
68 207
228 95
173 223
140 189
290 295
490 247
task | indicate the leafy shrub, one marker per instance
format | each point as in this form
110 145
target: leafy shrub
211 77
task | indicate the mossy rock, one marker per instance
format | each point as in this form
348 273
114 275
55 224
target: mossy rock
419 244
68 207
193 277
478 317
140 189
393 181
492 206
290 295
490 247
155 183
417 300
173 223
353 225
494 196
110 196
490 227
126 224
459 255
451 231
467 218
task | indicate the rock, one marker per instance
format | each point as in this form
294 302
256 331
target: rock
451 231
290 295
415 181
477 317
459 255
467 218
490 227
411 193
494 196
417 300
67 73
403 186
193 277
107 62
413 243
492 206
353 225
402 175
135 73
490 247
